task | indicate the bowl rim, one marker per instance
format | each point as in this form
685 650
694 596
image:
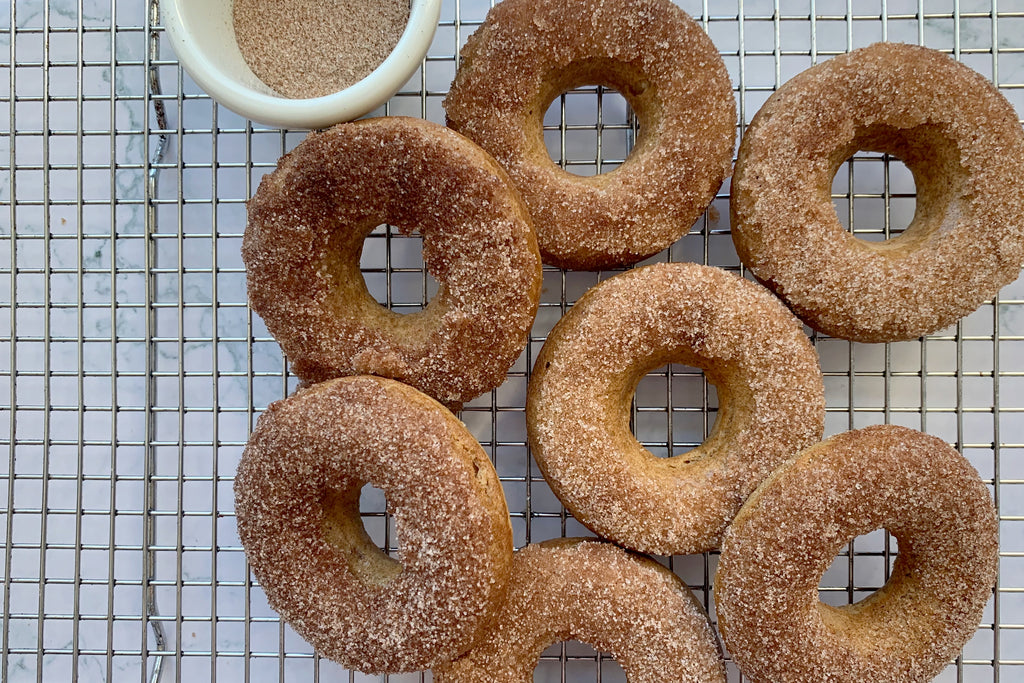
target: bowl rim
358 99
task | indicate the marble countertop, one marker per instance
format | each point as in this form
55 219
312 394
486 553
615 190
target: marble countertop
132 369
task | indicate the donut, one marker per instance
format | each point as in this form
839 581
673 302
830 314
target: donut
774 554
297 501
302 246
528 52
623 604
963 143
770 395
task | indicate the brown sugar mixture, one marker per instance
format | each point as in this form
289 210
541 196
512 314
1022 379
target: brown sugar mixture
311 48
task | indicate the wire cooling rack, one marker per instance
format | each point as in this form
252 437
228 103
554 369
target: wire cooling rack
132 370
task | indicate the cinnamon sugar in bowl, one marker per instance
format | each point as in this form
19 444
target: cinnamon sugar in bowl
202 34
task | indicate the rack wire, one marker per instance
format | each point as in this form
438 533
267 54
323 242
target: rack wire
132 369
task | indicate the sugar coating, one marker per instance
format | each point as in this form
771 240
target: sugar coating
594 592
770 394
964 144
297 501
527 52
302 244
311 48
782 541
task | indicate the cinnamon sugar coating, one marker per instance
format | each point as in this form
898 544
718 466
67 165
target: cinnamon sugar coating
787 534
312 48
302 245
957 134
620 603
527 52
297 500
770 393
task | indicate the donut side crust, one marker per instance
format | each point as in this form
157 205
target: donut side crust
302 246
962 140
455 552
770 390
526 53
620 603
788 532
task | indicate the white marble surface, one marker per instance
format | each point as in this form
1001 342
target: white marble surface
186 367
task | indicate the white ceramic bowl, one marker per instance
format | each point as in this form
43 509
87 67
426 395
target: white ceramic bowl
202 35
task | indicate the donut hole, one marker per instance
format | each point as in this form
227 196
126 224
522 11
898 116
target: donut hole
673 411
580 661
883 200
886 590
894 189
859 570
357 524
392 268
590 130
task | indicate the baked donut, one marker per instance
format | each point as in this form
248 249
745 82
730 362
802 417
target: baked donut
302 246
527 52
594 592
789 531
964 145
770 395
297 500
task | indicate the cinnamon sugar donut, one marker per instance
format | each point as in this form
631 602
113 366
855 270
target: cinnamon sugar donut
618 602
302 247
527 52
964 144
770 395
297 500
789 531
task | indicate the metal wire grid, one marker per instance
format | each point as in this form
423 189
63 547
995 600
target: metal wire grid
134 370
